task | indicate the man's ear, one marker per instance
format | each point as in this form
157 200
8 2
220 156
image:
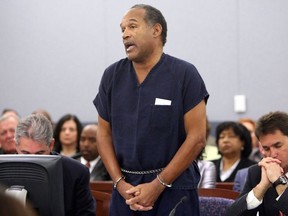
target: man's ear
51 146
157 30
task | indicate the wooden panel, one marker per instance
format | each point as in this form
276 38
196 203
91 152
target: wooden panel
218 192
104 186
102 201
225 185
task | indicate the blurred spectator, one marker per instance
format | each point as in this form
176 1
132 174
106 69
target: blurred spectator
90 156
43 112
250 124
234 143
211 150
67 135
8 124
9 111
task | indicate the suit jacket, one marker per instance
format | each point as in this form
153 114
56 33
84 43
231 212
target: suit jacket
244 162
240 179
99 172
78 199
269 206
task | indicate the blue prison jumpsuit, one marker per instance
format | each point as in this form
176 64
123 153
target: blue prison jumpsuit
147 135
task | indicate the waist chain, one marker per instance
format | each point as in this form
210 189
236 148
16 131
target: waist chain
142 172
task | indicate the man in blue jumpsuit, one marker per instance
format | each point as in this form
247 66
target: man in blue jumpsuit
151 122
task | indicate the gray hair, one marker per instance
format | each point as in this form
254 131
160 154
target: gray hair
36 127
154 16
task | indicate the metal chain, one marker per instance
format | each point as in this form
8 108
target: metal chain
142 172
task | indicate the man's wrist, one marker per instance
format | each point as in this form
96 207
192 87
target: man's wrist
274 178
259 190
281 180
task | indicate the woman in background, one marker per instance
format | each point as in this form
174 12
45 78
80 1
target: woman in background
67 135
235 145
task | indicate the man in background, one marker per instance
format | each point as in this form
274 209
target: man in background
266 189
34 135
8 111
250 124
8 123
90 156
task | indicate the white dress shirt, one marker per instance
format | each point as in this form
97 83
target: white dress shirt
92 163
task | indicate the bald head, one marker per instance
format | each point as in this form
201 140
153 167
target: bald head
88 141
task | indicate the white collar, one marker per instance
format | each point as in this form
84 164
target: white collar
92 163
226 174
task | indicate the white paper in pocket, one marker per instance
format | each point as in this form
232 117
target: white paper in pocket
160 101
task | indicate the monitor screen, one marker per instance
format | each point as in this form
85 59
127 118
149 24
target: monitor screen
41 176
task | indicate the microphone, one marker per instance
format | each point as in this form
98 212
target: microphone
182 200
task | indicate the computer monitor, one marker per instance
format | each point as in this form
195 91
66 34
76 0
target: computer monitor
41 176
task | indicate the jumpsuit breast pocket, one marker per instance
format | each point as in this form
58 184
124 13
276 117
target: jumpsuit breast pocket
161 117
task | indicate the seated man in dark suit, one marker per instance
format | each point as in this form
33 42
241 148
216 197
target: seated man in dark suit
34 135
90 156
265 192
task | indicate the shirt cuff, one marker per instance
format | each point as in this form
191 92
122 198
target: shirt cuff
252 201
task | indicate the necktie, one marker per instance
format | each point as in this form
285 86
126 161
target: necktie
88 164
281 214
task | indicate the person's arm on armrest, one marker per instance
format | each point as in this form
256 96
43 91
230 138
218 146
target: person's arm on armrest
209 175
